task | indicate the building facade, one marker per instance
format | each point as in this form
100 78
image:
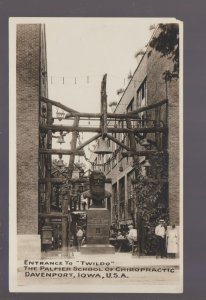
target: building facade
30 68
158 190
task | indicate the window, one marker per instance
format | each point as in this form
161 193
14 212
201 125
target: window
108 165
114 145
142 94
114 201
130 107
142 101
120 125
114 160
122 198
98 231
130 193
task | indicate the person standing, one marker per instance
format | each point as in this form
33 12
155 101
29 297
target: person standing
79 235
132 238
132 234
160 233
172 241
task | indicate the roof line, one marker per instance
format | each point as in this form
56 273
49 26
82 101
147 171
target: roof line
136 68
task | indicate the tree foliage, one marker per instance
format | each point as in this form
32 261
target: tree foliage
167 43
151 202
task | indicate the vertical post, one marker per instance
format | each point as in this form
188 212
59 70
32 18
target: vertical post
67 199
126 197
136 170
104 107
117 201
73 147
64 224
48 167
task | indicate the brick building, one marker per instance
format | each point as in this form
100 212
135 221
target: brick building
145 88
30 84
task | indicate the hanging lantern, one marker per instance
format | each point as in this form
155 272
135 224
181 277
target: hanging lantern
102 147
146 164
75 173
60 162
145 143
60 115
60 139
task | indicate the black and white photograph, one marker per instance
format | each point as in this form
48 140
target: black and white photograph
96 155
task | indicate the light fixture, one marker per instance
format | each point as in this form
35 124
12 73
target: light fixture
60 162
146 164
102 147
60 115
60 139
145 143
75 173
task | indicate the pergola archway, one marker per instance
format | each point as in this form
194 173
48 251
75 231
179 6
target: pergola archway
103 131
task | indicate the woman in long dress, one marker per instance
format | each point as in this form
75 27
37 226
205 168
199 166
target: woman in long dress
172 242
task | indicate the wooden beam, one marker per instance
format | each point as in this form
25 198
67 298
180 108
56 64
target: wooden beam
61 151
83 115
123 116
118 142
142 153
151 106
88 141
58 104
55 128
152 180
99 115
74 113
58 170
104 107
72 180
54 214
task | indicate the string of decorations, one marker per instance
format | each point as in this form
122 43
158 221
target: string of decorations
54 79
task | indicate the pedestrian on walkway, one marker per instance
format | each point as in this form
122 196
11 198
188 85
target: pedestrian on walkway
172 241
132 234
79 235
160 233
132 238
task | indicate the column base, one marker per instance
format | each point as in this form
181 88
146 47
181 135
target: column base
28 246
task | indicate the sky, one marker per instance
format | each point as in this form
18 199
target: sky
81 50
